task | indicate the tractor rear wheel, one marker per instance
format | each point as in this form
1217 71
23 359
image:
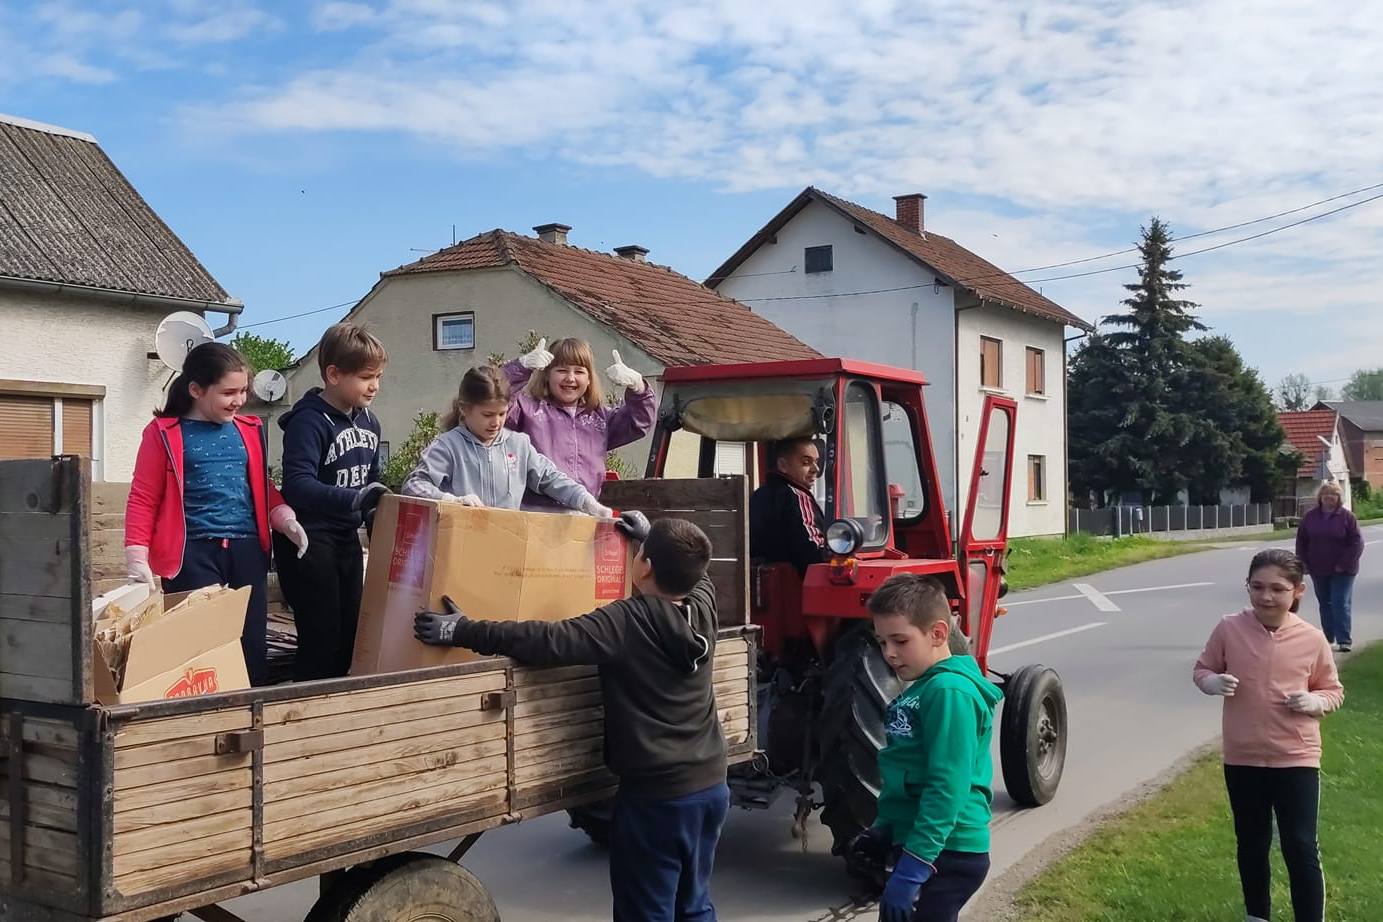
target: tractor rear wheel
594 820
1032 735
856 692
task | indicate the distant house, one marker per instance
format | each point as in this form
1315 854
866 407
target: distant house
1361 428
853 282
87 270
1315 435
450 310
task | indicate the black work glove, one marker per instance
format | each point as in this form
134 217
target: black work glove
633 525
367 502
440 629
867 853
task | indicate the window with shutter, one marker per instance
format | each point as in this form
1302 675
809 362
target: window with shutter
991 362
26 427
76 427
1037 371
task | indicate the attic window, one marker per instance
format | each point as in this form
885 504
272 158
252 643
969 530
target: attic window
453 331
818 259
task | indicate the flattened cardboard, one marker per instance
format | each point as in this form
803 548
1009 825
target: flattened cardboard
496 564
195 651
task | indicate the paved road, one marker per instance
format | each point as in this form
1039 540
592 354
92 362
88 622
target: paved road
1123 641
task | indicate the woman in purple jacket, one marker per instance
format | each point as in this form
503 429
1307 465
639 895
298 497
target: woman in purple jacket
557 403
1330 544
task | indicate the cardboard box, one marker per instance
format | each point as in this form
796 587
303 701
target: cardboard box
189 650
496 564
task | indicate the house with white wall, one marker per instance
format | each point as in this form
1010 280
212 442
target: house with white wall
855 283
1317 436
87 271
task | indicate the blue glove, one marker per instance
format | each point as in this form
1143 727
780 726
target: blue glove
900 893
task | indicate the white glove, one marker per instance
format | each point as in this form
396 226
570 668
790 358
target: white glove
1308 703
538 358
622 375
470 499
592 507
294 532
137 567
1222 684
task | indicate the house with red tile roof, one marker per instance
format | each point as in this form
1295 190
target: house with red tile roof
1316 436
452 309
852 281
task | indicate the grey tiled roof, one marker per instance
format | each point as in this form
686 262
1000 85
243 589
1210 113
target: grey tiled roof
68 215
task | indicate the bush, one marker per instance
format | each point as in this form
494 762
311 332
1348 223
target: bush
405 457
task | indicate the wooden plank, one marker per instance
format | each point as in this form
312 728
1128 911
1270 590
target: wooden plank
202 827
670 495
544 772
732 591
382 752
357 774
40 649
49 849
530 675
556 752
495 800
109 499
31 688
323 726
163 772
38 814
555 705
441 798
166 729
133 883
557 690
404 693
50 733
189 808
557 719
30 486
18 529
726 692
44 568
562 734
189 790
181 852
456 777
37 879
51 766
461 723
44 608
731 648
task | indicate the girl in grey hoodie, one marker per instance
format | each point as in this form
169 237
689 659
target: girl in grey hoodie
477 462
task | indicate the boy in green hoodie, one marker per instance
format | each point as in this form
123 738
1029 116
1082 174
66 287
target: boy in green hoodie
935 767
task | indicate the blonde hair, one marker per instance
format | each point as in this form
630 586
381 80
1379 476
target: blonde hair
569 351
1330 487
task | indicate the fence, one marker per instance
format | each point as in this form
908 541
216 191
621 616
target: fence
1146 520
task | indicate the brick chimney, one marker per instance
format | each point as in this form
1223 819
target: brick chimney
909 211
552 233
633 251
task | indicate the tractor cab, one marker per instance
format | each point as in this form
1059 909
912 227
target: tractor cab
823 683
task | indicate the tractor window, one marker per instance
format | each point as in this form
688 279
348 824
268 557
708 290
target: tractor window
900 462
988 521
861 466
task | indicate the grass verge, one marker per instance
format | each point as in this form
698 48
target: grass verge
1172 856
1036 561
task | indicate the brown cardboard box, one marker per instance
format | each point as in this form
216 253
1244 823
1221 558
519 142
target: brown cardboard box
497 564
192 650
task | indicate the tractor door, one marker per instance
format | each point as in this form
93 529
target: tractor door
984 536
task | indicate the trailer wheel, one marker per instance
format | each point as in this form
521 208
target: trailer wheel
594 820
1032 735
856 692
415 887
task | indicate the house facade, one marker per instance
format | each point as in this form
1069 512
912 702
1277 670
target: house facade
453 309
1361 430
1315 435
87 271
853 282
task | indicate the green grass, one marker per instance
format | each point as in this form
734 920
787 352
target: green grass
1036 561
1172 856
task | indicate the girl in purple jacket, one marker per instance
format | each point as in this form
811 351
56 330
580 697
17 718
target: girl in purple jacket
556 401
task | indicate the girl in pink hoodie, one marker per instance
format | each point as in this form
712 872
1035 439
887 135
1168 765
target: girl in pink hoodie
1278 679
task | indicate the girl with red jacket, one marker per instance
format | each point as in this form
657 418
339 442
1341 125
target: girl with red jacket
201 504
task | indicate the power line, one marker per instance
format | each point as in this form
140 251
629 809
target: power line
1077 275
320 310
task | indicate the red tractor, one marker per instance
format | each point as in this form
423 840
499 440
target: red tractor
823 683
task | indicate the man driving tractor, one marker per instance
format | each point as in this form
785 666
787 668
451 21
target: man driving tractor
786 524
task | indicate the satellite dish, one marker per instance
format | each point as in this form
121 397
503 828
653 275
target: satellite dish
178 334
269 385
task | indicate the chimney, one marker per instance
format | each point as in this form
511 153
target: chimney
633 251
553 233
909 211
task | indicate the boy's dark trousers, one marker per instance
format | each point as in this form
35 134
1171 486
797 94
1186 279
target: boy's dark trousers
1293 794
323 589
661 855
233 562
958 876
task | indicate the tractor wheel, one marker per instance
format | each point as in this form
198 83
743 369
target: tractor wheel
594 820
856 692
1032 735
416 887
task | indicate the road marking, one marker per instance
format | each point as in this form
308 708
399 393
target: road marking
1083 595
1096 597
1371 543
1055 598
1158 588
1045 637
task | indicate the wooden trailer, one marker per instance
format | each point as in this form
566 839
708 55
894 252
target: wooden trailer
141 811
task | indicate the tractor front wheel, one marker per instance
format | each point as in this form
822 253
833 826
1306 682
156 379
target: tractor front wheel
856 690
1032 735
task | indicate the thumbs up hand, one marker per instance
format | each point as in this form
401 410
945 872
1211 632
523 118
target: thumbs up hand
537 359
622 375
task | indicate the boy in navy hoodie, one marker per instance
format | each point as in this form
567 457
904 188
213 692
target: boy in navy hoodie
331 471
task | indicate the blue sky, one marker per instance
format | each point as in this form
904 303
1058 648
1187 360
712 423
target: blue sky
302 148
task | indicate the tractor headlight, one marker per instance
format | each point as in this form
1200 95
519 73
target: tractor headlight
844 537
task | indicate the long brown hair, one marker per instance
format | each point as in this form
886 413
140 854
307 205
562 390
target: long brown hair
569 351
481 384
204 366
1290 564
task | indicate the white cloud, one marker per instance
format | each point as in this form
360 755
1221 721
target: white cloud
334 16
218 24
